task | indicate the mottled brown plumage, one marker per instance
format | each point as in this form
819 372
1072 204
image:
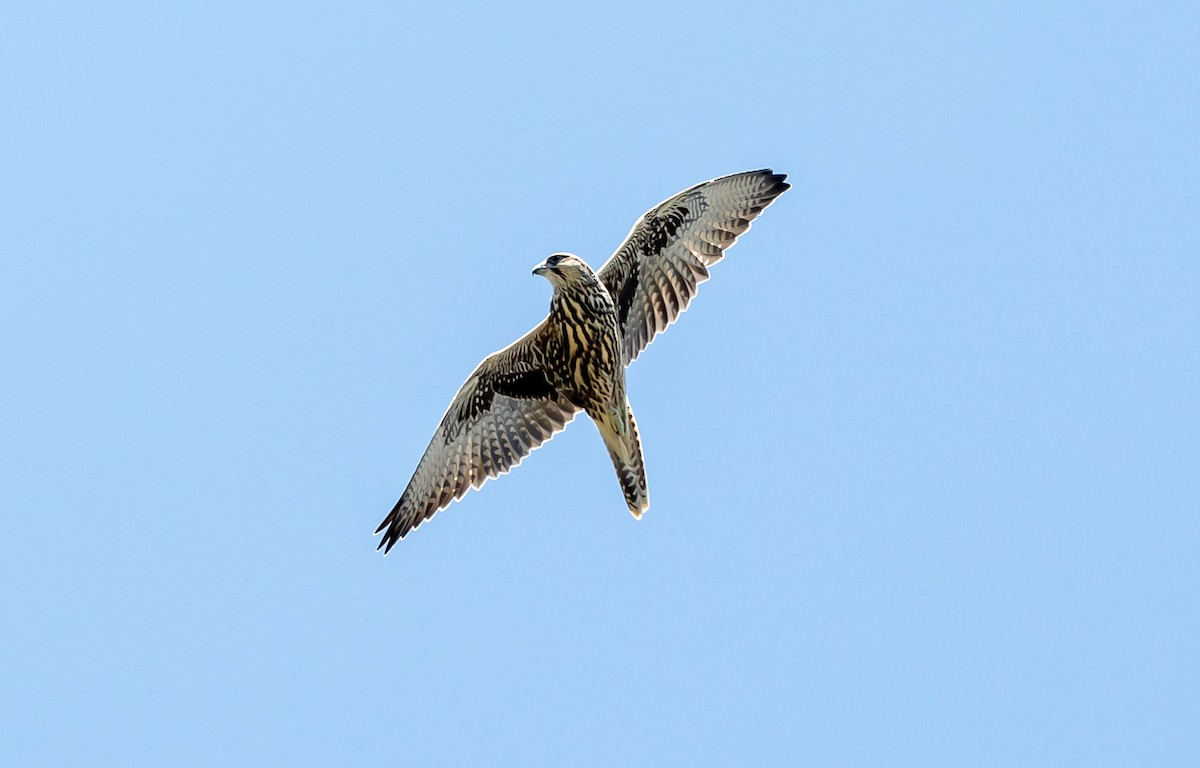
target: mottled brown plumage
575 359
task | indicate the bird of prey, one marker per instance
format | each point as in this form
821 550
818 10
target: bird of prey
575 359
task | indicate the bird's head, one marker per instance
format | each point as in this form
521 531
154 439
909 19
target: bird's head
563 269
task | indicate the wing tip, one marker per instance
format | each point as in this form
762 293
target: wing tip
765 183
397 527
389 539
775 184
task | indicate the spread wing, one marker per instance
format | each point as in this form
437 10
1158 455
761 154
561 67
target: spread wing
506 408
654 274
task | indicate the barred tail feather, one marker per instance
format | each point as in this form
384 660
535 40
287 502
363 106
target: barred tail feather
625 450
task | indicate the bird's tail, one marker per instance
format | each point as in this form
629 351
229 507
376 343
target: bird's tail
625 448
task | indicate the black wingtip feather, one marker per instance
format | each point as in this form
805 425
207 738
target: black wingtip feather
778 184
389 540
395 529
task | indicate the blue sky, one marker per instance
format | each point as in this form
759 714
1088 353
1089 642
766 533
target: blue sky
923 454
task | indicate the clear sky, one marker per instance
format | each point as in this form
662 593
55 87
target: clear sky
923 455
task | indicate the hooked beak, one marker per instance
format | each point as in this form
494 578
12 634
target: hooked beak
541 269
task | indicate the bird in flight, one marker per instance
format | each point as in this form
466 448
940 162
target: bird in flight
575 359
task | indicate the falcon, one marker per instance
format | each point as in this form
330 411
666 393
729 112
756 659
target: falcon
575 359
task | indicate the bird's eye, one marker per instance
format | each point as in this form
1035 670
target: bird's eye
555 259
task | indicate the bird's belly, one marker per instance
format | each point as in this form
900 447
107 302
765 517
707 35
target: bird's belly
589 369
